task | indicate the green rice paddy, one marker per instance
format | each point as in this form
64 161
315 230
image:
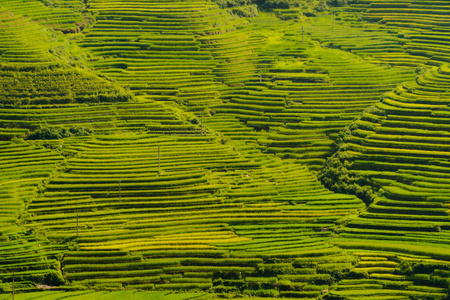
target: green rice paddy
169 149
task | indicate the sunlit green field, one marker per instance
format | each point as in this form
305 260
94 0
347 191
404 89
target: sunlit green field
169 149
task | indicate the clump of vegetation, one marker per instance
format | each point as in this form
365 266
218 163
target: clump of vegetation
319 5
59 133
306 5
336 175
233 3
245 11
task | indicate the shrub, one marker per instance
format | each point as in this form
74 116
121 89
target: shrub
336 176
247 11
59 133
263 293
308 6
53 278
273 269
232 3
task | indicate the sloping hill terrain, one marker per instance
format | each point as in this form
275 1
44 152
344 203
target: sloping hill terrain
165 149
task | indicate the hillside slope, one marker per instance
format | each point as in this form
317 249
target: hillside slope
175 146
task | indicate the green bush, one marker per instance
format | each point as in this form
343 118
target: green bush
52 278
336 176
263 293
233 3
59 133
246 11
273 269
308 6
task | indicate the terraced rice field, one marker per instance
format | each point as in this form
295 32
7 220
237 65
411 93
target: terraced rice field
425 24
405 137
61 18
419 31
182 55
25 253
154 216
306 96
168 149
